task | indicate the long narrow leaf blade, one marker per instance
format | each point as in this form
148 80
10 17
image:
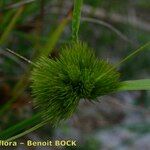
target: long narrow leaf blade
18 128
11 25
143 84
53 39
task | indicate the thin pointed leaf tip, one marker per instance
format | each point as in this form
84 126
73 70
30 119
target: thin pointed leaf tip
58 85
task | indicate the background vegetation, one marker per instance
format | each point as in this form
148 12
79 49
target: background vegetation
32 27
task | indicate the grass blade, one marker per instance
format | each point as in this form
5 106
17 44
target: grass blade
11 25
20 126
51 42
143 84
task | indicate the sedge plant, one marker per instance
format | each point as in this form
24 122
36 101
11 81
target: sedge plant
59 84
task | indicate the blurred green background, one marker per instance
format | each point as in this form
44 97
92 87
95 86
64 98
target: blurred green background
29 27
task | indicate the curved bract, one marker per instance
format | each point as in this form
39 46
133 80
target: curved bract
58 85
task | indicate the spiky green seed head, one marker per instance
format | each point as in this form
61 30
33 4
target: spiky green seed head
58 85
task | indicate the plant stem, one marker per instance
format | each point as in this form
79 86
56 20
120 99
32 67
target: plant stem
125 59
76 19
134 53
107 25
19 56
27 131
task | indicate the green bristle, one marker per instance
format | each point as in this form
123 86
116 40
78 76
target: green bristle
58 85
